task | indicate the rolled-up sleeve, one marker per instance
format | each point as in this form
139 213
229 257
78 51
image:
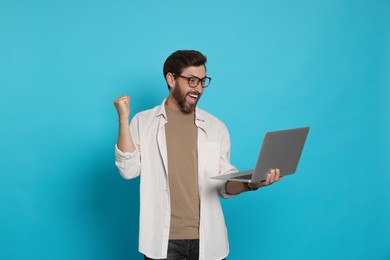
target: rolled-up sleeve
223 193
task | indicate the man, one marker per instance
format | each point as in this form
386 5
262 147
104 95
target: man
175 148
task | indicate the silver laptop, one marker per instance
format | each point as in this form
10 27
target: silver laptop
280 149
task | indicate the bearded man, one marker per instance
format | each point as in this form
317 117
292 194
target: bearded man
175 148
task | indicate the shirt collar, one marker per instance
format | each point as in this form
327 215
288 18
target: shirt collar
161 109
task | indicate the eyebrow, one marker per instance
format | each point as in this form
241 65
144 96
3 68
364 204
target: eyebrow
192 75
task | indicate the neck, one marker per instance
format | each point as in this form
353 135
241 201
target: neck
172 103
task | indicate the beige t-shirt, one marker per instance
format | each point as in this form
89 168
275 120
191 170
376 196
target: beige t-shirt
182 135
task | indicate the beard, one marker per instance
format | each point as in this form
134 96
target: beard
180 98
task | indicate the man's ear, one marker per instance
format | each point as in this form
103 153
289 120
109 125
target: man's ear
170 80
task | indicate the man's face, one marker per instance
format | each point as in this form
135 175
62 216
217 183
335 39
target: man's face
185 96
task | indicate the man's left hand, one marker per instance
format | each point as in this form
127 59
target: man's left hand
273 176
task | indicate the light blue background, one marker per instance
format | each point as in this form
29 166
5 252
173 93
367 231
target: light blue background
275 65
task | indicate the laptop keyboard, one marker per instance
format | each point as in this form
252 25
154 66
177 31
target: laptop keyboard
244 177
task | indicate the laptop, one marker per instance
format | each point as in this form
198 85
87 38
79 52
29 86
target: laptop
280 149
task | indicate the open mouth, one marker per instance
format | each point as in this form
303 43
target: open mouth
192 98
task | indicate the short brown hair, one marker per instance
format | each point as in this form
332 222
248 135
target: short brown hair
181 59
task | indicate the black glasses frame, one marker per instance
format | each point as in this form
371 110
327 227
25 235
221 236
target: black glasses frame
198 80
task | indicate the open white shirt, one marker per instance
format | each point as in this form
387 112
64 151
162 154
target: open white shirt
149 161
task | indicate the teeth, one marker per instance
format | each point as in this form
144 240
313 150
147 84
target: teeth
193 95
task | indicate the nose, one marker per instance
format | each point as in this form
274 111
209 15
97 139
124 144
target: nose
199 87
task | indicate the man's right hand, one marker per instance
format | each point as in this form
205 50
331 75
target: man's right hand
122 105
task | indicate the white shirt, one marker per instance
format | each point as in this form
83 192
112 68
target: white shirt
149 161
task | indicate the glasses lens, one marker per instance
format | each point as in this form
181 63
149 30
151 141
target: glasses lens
205 82
193 82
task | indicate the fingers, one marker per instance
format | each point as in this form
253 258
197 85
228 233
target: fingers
273 175
268 178
122 105
122 99
277 175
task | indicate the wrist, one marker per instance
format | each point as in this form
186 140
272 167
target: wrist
248 187
124 120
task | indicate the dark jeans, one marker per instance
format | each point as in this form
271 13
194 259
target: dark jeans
183 249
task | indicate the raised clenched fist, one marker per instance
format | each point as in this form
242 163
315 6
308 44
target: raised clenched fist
122 105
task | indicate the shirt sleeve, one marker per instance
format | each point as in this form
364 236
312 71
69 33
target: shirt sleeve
225 166
123 155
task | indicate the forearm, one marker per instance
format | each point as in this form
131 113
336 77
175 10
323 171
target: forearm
235 187
125 142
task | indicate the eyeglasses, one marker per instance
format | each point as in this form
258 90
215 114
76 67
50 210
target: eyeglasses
193 82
